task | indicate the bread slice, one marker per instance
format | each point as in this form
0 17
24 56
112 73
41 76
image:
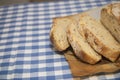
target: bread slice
58 33
80 46
110 17
99 37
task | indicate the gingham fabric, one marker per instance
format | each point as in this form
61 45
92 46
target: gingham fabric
26 52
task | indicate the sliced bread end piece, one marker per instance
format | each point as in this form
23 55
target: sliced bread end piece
58 33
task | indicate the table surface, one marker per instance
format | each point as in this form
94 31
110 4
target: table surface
26 52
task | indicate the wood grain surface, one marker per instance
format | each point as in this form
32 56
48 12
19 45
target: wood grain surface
79 68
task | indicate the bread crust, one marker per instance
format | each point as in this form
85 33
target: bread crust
115 10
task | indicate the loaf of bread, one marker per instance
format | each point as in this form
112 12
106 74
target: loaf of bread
58 33
80 46
110 17
99 37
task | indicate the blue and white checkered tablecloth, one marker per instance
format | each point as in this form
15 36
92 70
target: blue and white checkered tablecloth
25 49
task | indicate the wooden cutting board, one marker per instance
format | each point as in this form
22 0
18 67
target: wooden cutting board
79 68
